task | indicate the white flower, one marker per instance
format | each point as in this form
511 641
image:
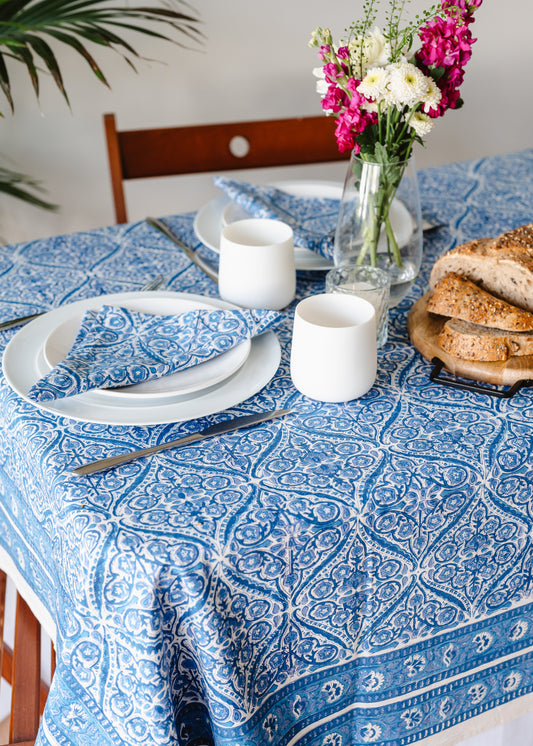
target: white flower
374 84
321 83
371 107
433 95
421 123
374 48
408 85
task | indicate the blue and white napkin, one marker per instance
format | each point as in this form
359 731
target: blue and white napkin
118 347
312 219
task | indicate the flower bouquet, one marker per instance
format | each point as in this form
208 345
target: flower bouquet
386 95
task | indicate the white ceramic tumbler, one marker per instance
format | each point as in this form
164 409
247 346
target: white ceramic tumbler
256 267
333 354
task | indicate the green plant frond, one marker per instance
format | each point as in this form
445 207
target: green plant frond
4 83
41 48
24 23
75 43
23 54
22 187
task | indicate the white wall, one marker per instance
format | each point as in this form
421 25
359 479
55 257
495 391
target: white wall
255 63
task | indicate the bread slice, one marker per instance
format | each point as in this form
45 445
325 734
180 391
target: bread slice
502 266
474 342
460 298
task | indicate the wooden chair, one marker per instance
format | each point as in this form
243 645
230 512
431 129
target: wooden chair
21 667
171 151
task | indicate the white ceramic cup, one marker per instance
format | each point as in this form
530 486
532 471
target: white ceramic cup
256 267
334 354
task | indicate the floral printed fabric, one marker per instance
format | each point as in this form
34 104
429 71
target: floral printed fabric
118 347
312 219
353 574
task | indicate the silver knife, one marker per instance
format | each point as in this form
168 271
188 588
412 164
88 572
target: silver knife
200 263
222 427
150 285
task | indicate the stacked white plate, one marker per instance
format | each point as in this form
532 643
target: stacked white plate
211 387
211 218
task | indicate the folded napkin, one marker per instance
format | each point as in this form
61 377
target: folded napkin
312 219
118 347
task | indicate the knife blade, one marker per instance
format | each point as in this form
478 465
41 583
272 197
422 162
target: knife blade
159 225
150 285
226 426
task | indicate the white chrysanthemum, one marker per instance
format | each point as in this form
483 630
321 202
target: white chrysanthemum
321 83
407 86
433 95
371 51
371 107
374 84
421 123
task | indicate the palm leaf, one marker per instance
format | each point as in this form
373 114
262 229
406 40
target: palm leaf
75 43
4 82
44 51
22 187
24 23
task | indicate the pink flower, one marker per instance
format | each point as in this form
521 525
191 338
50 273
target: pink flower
447 45
335 99
352 117
343 53
345 134
331 71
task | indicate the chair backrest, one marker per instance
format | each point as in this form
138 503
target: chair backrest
20 666
172 151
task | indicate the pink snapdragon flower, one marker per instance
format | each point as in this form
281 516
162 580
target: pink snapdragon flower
447 44
353 120
343 53
335 99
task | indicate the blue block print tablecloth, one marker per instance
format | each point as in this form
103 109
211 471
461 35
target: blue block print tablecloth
352 574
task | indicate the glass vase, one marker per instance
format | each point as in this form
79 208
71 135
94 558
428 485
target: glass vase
380 221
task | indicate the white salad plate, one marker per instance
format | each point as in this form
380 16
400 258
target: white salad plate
212 217
24 363
199 377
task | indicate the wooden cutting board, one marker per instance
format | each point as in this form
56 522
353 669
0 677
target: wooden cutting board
424 329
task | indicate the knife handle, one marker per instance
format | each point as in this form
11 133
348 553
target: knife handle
20 320
222 427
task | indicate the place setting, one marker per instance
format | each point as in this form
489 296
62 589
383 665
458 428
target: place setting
160 356
310 207
142 358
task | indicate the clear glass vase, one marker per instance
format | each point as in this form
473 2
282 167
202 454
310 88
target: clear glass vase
380 221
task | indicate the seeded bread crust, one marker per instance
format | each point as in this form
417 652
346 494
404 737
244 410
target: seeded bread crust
501 266
521 237
474 342
460 298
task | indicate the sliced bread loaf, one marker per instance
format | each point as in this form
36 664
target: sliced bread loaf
460 298
474 342
502 266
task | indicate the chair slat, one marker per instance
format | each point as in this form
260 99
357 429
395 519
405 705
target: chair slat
26 678
3 579
174 151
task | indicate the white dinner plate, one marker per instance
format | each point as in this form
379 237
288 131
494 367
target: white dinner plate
23 364
210 218
199 377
